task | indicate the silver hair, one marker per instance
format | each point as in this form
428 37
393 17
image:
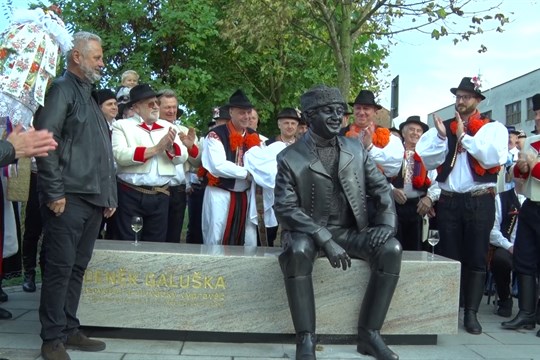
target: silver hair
80 42
166 93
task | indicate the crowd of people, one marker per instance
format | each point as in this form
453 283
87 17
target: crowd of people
350 189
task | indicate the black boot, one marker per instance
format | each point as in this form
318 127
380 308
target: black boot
302 305
377 298
3 295
538 312
505 307
526 317
29 281
4 314
474 290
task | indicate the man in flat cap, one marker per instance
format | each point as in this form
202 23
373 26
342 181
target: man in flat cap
320 195
225 203
467 152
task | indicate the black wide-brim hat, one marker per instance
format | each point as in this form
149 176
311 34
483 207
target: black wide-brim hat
221 112
536 102
467 84
289 113
140 92
239 100
104 95
365 97
415 119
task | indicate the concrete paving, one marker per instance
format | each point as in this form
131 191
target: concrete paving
19 340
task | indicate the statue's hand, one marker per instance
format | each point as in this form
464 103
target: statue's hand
379 235
337 256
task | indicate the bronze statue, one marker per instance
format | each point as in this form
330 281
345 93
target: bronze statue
320 201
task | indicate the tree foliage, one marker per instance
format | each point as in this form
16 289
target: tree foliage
272 49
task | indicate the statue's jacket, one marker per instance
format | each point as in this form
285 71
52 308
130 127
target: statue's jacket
303 188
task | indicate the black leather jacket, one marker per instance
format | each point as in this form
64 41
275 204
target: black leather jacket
7 153
303 188
83 162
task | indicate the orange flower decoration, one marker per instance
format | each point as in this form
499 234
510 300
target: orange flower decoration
3 53
252 140
473 126
381 137
34 67
235 140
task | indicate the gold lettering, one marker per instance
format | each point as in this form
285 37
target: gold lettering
162 280
220 283
196 280
182 284
208 282
150 279
172 284
132 278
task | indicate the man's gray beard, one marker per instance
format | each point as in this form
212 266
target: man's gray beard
90 74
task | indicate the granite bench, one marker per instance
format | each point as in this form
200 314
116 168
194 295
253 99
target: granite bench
188 287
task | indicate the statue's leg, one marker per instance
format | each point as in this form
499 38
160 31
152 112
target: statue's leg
385 264
296 262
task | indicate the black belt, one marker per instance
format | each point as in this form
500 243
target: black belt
475 193
179 188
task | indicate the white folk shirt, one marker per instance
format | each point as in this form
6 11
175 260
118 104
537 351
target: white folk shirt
389 158
127 137
489 146
496 238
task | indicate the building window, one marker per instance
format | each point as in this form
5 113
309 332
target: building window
487 114
513 113
530 112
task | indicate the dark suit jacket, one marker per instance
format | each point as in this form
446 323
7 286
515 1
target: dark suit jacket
303 188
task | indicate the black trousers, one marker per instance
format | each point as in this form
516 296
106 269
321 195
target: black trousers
527 245
68 243
153 209
32 228
300 252
409 231
501 267
465 222
177 211
195 202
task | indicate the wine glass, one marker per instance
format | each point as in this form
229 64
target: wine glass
433 239
136 226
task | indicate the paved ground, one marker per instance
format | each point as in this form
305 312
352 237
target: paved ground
19 340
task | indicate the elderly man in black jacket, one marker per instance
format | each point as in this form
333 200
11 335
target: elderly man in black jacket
320 202
76 185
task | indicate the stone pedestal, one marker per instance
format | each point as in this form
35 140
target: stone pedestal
240 290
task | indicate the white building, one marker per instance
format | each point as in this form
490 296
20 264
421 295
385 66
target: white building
509 103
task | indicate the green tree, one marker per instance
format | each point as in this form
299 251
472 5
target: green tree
351 30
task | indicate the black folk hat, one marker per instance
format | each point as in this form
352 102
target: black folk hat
321 95
536 102
415 119
222 113
104 95
239 100
512 130
467 84
366 97
140 92
289 113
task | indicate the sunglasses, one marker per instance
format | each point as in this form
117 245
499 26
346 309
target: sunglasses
152 104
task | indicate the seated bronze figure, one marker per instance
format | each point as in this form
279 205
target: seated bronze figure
320 201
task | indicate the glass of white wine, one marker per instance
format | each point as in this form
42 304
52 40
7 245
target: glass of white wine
136 226
433 239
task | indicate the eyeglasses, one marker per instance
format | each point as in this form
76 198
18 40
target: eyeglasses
463 97
152 104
